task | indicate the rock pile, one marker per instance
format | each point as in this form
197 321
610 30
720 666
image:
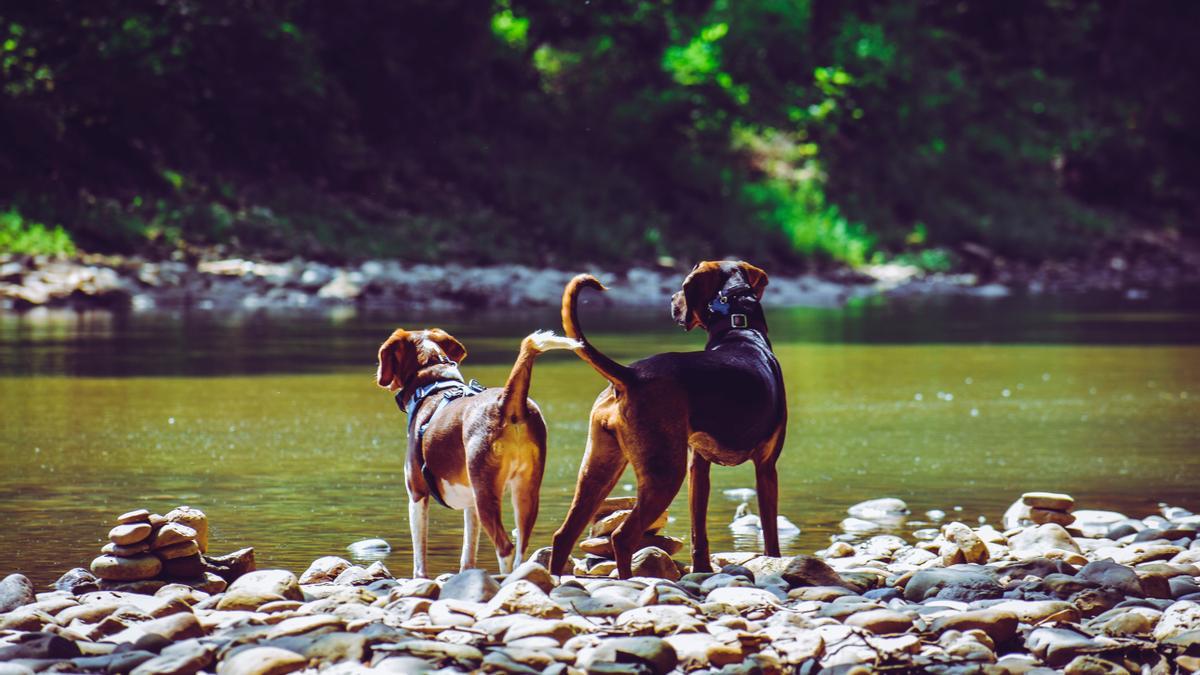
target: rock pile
654 550
1122 603
1040 508
147 551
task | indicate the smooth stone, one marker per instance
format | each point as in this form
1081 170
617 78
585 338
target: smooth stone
1058 646
172 534
180 550
1122 623
1094 523
139 567
1179 618
465 655
808 570
609 523
1112 575
1048 500
262 661
602 546
173 627
653 652
1039 611
880 621
1183 585
194 519
654 562
15 590
533 572
1016 516
415 588
124 535
559 631
1093 665
971 582
522 597
137 516
472 585
1039 540
231 565
971 546
1043 516
209 583
324 569
125 551
26 618
886 508
250 591
181 658
819 593
660 620
314 624
115 662
742 598
358 576
612 505
77 581
599 607
40 646
1000 625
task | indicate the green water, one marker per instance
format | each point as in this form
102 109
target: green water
273 426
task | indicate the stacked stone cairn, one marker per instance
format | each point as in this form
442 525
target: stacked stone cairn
653 552
1111 595
146 551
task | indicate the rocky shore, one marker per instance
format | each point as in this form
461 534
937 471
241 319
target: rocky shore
1057 590
1135 268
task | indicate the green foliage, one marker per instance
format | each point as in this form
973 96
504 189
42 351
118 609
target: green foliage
544 131
18 235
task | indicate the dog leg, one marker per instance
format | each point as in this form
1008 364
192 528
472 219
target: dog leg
767 485
698 490
600 470
525 501
659 480
487 505
470 538
418 520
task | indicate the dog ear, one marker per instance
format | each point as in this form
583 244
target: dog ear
698 288
397 360
452 347
756 278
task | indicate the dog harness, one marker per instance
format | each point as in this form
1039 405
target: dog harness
451 389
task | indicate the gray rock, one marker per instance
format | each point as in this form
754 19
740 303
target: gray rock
1033 542
533 572
589 606
255 589
324 569
807 570
1058 646
651 652
473 585
959 582
887 508
522 597
464 655
999 624
15 590
181 658
77 581
1110 575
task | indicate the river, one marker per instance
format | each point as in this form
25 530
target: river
271 422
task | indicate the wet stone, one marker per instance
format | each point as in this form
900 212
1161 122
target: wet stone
472 585
15 590
113 568
132 533
1048 500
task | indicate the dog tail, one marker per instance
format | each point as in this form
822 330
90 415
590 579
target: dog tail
516 389
614 372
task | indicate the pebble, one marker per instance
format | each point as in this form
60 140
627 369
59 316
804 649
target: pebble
1048 500
15 590
654 562
136 516
171 534
473 585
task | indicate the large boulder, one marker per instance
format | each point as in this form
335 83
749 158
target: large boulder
256 589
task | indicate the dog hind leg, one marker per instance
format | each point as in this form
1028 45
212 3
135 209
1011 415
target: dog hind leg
658 481
602 465
767 486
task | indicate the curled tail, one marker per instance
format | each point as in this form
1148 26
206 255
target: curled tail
516 389
614 372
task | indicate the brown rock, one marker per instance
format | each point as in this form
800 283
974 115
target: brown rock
262 661
172 534
231 565
112 568
124 535
125 551
138 516
602 546
185 567
612 521
1048 500
613 504
654 562
1041 516
195 519
180 550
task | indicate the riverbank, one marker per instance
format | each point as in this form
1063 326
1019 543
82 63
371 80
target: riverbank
1136 267
1081 592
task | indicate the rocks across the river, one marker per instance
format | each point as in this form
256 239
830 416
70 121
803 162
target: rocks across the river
964 598
147 551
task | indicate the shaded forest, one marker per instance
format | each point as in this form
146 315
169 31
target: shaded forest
800 132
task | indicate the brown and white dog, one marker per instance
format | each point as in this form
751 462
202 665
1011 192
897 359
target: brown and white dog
467 444
675 414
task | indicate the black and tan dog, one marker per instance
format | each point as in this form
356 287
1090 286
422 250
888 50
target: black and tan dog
677 413
466 444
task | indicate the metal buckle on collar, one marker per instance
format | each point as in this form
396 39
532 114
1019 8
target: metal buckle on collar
739 321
